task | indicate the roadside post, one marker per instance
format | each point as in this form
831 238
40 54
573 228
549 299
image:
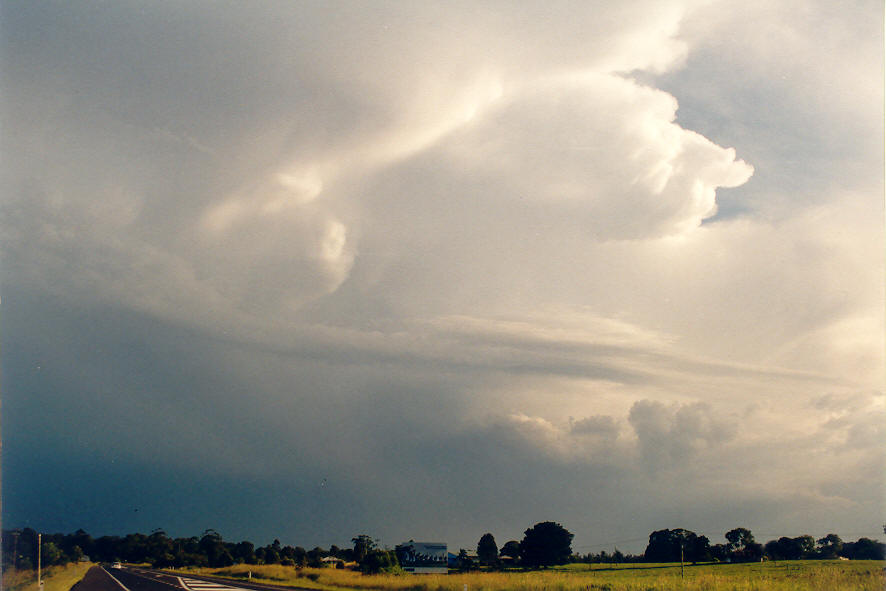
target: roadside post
39 557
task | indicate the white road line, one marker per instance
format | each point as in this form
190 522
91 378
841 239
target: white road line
199 585
115 578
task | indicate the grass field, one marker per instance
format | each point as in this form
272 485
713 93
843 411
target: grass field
807 575
57 578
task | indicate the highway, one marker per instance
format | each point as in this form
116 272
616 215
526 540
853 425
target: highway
140 579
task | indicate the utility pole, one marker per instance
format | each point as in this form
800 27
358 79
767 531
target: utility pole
15 550
39 557
681 558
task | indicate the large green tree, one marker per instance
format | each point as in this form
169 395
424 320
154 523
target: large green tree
546 544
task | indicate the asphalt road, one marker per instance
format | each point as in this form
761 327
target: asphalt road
139 579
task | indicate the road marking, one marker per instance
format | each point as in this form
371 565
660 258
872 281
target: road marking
199 585
115 578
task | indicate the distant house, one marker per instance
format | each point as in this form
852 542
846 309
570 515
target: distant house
423 557
331 561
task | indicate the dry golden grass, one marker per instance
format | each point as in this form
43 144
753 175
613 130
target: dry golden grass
56 578
782 576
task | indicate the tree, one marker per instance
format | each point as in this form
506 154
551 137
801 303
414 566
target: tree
379 561
806 544
773 550
864 549
829 546
363 544
487 550
670 545
76 553
786 548
546 544
698 549
739 539
84 541
271 555
245 552
511 548
315 557
719 552
52 555
753 552
464 561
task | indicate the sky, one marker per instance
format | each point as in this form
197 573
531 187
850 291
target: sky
426 270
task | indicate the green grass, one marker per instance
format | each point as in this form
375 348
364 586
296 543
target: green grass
56 578
807 575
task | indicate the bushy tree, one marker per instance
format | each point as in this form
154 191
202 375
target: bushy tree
363 545
315 557
300 556
829 546
546 544
511 548
741 545
271 555
864 549
245 552
670 545
719 552
379 561
786 548
465 563
487 550
806 544
772 549
52 555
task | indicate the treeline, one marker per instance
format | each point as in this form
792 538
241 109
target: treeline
548 544
19 549
674 545
544 544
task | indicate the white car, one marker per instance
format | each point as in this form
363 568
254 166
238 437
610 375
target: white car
116 565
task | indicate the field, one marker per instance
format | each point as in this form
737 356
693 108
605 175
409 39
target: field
807 575
56 578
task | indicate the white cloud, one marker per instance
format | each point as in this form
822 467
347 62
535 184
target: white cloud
455 237
604 145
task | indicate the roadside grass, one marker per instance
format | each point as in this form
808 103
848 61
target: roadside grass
56 578
806 575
